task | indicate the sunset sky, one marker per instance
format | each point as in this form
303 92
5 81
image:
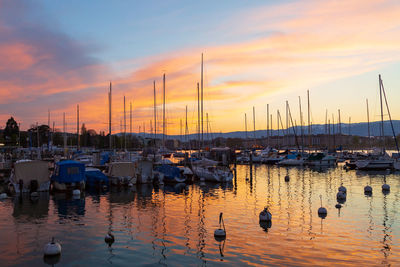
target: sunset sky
57 54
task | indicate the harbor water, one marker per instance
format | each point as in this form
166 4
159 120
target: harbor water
173 225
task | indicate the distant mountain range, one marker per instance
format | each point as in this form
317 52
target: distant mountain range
360 129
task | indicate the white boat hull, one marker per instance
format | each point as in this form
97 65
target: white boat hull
374 164
218 176
64 187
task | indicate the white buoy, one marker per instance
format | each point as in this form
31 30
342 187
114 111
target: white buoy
287 178
220 233
385 187
368 190
109 238
52 248
76 192
322 212
341 195
265 215
342 189
130 185
3 196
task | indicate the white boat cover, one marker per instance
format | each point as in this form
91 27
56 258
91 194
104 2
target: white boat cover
31 170
117 169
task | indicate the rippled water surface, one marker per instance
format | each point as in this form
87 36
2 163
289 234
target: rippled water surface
174 225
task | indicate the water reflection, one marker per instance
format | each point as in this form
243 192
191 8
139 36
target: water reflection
52 260
265 225
69 207
27 208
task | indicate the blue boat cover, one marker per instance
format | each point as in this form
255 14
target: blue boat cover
104 157
94 177
291 156
69 171
170 172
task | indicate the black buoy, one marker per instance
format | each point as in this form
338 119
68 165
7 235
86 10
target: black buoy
287 178
265 215
322 212
385 187
109 238
368 190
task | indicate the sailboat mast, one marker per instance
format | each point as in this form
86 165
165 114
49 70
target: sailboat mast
309 123
130 124
120 131
77 126
380 97
198 114
186 125
369 133
202 139
301 126
65 134
287 126
245 125
282 128
390 117
164 110
155 113
271 125
333 131
268 125
326 121
207 136
124 125
109 116
277 120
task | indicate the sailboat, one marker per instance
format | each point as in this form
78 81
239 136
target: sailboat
204 169
380 160
163 168
292 158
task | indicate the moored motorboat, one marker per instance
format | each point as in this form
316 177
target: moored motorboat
292 160
68 175
375 164
30 176
213 173
122 173
170 174
95 178
320 159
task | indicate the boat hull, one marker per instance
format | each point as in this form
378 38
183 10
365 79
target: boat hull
374 165
63 187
